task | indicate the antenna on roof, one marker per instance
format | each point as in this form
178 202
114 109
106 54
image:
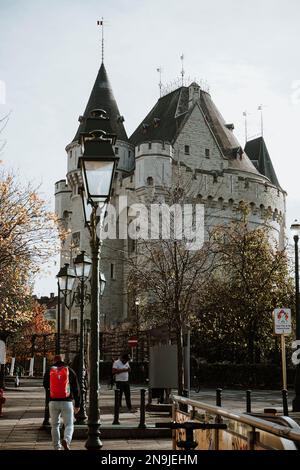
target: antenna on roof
159 70
246 126
260 108
101 23
182 69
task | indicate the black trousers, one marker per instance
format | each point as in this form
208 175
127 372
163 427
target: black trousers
124 388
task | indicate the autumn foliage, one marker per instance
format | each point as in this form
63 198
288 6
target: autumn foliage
28 237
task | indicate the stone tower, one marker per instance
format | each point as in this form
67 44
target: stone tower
185 129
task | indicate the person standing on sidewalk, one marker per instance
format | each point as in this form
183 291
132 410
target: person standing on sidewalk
121 371
60 381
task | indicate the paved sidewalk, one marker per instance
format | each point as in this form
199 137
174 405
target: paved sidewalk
23 413
20 426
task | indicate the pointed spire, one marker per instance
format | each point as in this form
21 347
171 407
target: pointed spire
257 151
102 98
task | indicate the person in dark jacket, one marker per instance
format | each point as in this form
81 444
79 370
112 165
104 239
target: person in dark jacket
62 406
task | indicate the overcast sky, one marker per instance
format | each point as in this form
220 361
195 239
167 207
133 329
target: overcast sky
50 53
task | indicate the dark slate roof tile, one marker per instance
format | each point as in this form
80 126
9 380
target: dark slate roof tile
102 98
257 151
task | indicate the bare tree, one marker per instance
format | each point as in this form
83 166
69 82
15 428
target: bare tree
167 274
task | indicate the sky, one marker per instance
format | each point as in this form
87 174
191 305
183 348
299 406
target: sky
50 53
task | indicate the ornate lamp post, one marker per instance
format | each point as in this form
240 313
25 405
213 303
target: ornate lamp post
137 304
82 266
295 229
66 278
97 165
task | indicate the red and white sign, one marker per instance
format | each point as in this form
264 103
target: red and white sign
282 321
132 342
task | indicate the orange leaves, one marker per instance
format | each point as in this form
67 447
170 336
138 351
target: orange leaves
28 238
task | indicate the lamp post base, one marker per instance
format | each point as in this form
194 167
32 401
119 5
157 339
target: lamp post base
93 441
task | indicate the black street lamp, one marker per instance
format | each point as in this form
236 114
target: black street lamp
82 266
137 304
97 165
295 229
66 278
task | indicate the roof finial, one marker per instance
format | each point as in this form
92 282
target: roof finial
101 23
159 70
260 108
182 69
245 114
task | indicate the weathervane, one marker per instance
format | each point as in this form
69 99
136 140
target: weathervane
159 70
246 126
182 69
101 23
260 108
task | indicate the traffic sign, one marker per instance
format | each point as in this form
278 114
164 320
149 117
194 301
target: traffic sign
133 341
282 321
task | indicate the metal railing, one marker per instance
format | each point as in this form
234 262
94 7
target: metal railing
290 431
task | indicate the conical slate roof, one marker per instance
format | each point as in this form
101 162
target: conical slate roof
102 98
257 151
169 114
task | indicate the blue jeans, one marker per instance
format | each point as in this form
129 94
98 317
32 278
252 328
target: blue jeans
66 410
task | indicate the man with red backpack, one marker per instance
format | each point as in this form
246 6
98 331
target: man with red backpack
60 381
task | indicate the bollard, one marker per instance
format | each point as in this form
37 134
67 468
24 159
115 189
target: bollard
142 424
248 401
117 407
285 402
219 397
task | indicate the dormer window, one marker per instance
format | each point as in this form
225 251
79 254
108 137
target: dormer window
156 122
186 149
145 127
99 114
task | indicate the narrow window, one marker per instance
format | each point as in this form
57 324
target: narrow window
149 145
150 181
187 149
129 154
207 153
112 271
74 325
117 150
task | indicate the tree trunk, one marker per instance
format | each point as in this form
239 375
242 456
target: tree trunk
180 371
251 337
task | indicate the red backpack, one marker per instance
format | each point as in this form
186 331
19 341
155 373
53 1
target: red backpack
59 382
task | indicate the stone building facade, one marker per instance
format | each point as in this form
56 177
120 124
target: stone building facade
183 130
